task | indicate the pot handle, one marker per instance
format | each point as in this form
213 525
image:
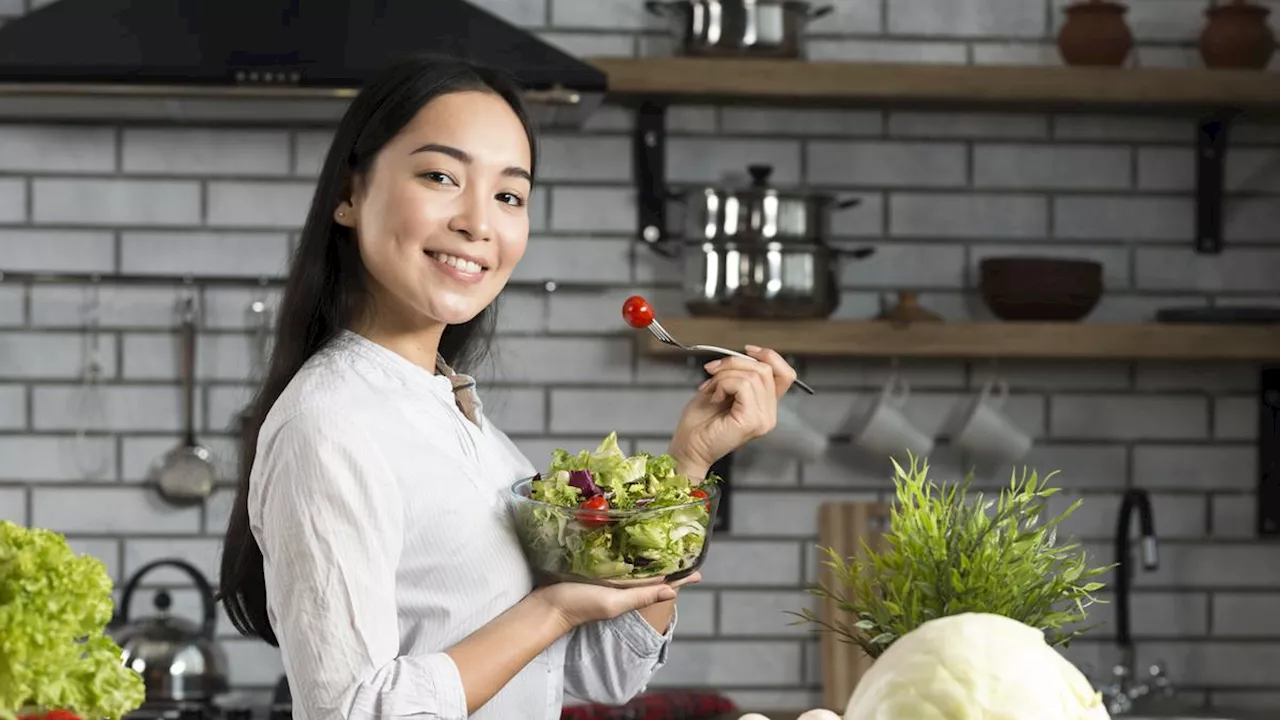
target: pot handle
657 8
857 254
202 585
661 247
821 11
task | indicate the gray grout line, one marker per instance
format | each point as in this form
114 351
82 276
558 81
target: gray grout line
292 162
117 250
118 160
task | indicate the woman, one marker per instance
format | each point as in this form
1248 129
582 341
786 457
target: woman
369 539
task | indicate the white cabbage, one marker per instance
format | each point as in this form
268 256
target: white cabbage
974 666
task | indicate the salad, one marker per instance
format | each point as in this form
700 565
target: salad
614 516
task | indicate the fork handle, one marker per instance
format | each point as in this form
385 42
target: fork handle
725 351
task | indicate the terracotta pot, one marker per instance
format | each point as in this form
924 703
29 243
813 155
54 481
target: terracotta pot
1096 34
1237 36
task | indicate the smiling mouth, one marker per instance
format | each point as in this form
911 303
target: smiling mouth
463 264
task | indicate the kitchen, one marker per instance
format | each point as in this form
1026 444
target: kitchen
167 188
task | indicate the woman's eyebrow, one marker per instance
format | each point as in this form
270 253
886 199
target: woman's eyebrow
464 157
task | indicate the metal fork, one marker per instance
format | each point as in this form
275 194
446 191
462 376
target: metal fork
661 333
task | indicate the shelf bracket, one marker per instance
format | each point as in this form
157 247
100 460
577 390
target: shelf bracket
1269 452
649 148
1211 151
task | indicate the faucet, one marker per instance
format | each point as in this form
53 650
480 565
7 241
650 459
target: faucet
1124 689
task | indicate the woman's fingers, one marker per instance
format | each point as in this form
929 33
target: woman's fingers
733 362
691 579
779 374
758 406
734 383
783 373
642 597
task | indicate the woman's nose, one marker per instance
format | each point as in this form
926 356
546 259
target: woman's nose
472 218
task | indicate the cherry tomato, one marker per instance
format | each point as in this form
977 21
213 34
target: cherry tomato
637 312
56 714
700 494
594 519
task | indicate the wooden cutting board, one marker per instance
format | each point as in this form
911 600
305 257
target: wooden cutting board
842 526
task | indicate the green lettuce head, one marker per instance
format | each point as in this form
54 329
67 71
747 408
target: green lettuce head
54 608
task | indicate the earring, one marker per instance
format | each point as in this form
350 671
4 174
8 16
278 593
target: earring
340 213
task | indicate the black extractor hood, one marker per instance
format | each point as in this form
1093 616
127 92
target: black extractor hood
259 60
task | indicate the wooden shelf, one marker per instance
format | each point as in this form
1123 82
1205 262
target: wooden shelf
869 338
683 79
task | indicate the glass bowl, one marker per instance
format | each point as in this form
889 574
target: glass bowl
615 547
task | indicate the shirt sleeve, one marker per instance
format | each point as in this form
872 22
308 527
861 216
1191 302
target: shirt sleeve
612 661
327 516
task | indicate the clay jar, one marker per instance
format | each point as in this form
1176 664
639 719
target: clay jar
1095 33
1237 36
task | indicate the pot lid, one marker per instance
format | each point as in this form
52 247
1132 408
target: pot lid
760 187
164 627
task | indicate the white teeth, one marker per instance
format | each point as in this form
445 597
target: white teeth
460 263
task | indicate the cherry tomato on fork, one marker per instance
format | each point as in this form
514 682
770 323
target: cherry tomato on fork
637 312
594 519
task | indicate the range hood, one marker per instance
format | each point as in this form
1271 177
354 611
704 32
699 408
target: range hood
260 61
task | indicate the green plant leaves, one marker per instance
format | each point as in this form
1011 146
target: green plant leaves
950 552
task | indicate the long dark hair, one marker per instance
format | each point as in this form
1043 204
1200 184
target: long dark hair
325 289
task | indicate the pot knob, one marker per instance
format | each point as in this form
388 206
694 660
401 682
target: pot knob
760 175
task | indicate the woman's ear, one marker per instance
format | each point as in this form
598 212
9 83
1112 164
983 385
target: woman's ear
345 214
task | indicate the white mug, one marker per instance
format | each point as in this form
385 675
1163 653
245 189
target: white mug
979 426
793 436
885 429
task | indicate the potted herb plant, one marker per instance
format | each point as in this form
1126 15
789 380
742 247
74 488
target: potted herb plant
950 552
56 662
962 610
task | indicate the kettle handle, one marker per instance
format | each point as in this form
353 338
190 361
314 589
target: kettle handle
202 585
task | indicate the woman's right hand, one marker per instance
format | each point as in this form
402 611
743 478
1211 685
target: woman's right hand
581 603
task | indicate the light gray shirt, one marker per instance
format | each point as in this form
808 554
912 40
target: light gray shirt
381 512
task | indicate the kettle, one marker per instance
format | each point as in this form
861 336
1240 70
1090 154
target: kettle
179 661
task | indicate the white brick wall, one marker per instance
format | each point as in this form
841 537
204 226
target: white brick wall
940 192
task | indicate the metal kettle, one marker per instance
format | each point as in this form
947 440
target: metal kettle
179 661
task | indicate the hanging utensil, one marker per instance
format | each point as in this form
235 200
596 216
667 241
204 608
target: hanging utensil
90 409
261 339
186 475
259 357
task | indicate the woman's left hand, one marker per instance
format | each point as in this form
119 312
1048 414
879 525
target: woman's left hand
737 404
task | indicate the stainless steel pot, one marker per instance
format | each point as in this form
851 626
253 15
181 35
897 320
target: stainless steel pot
764 280
179 661
757 252
739 28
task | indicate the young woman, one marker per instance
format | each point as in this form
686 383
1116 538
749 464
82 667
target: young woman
369 538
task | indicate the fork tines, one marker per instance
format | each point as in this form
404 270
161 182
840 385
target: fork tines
661 333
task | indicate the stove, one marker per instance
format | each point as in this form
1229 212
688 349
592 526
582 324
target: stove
231 706
211 711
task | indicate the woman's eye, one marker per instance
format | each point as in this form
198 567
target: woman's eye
511 199
438 177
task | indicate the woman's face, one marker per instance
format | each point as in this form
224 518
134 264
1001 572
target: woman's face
442 216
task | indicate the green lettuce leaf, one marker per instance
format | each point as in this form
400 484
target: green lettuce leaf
54 654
